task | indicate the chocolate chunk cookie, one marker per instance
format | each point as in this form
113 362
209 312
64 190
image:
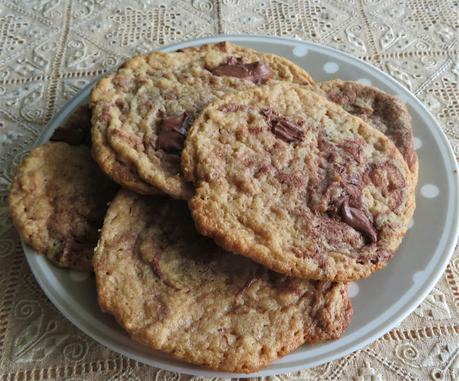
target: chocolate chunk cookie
294 182
178 292
132 71
380 110
58 200
144 115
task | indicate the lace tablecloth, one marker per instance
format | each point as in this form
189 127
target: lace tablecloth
51 49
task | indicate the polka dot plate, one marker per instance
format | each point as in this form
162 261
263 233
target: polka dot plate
380 302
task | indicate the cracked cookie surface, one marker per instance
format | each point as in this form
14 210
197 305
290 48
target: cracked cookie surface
57 201
294 182
178 292
380 110
143 110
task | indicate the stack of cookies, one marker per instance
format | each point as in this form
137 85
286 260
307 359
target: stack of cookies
247 197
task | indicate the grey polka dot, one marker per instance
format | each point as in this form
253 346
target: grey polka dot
353 290
331 67
418 277
300 51
364 81
430 191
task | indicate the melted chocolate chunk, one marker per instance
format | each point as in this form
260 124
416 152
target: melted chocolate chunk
287 130
172 132
356 219
283 127
256 72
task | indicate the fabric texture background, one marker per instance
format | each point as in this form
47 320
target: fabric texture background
50 49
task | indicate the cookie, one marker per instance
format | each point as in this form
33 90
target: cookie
145 116
58 200
380 110
178 292
120 170
296 183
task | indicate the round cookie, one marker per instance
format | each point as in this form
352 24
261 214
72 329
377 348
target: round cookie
118 168
294 182
178 292
58 200
144 115
380 110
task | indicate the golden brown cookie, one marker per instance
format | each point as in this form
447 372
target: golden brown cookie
144 109
58 200
294 182
380 110
118 168
178 292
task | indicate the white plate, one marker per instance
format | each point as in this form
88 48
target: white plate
380 302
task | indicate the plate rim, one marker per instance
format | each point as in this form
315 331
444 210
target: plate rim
381 329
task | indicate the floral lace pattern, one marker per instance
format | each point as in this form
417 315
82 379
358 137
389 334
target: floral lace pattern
50 49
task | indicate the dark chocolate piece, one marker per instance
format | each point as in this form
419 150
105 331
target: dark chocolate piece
284 128
172 133
356 219
256 72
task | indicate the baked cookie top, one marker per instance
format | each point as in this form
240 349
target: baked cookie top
58 200
120 171
178 292
294 182
145 108
380 110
